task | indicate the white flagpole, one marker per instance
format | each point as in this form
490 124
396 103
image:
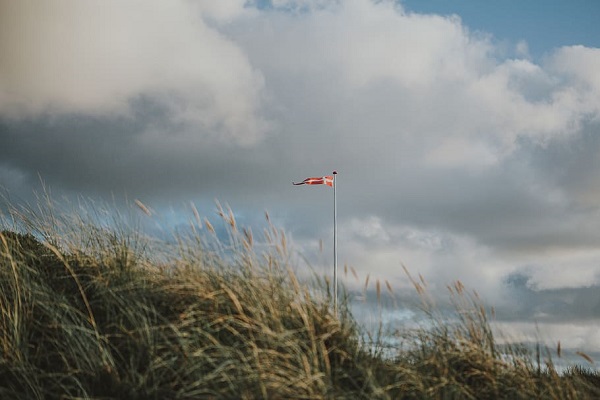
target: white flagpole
335 282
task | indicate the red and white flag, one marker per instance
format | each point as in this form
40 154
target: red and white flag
323 180
328 180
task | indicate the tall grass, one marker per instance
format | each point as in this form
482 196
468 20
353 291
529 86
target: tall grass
91 308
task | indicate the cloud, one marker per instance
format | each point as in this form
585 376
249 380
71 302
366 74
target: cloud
579 65
96 58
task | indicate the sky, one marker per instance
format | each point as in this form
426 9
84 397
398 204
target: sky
466 134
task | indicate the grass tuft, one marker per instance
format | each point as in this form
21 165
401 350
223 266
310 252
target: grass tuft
90 309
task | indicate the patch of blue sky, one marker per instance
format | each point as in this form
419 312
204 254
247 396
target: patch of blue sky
543 25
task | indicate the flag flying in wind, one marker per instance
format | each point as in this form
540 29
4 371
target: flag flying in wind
323 180
328 180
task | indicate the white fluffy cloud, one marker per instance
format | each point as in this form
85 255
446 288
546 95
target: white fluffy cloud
96 58
422 81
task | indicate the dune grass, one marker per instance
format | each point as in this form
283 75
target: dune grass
91 308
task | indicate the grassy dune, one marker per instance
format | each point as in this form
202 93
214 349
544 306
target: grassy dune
91 309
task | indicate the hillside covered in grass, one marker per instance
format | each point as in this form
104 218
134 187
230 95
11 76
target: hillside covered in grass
99 311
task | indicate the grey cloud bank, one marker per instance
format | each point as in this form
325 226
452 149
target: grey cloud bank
456 159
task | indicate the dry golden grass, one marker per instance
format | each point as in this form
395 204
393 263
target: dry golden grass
93 310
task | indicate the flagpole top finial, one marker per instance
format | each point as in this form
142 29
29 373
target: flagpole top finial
335 172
